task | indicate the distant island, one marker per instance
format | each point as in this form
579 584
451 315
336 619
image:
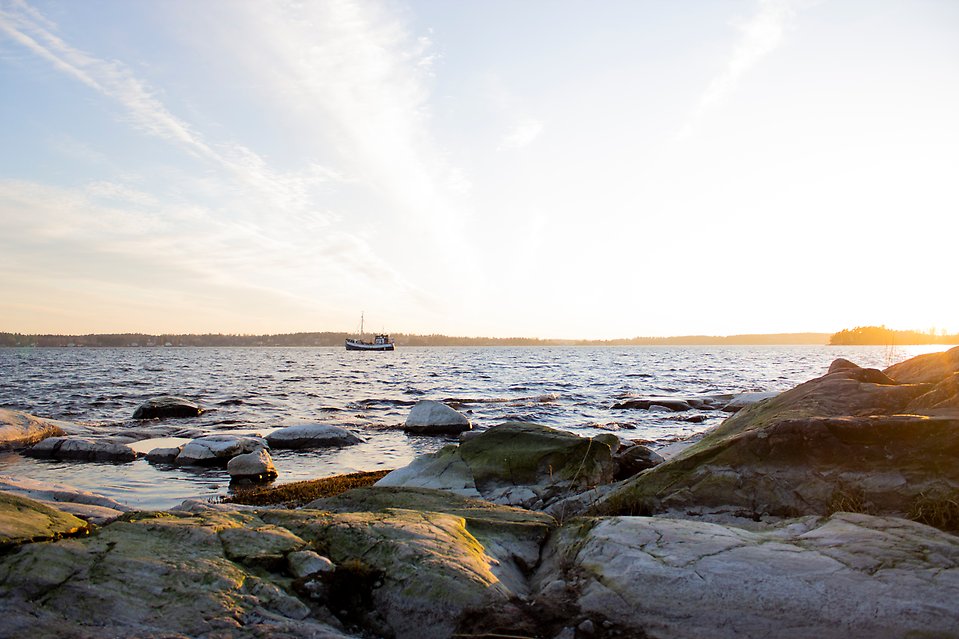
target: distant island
882 336
864 335
402 339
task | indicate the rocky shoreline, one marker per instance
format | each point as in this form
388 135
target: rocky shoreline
829 510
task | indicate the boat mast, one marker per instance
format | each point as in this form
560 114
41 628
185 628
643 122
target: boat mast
361 324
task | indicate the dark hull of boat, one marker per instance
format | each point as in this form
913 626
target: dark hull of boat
352 345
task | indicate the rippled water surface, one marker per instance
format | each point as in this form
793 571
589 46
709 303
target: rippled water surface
258 389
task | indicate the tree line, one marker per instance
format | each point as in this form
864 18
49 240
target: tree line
882 336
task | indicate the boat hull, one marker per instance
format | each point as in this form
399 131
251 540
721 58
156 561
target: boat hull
354 345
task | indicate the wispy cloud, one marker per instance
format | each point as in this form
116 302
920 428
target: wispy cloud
759 36
348 65
523 134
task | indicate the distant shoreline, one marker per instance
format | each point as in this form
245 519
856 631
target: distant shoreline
860 336
141 340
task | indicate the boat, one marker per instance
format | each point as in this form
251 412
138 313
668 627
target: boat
381 342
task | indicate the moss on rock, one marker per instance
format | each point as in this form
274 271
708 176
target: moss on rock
23 520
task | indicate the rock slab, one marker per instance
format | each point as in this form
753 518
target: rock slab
311 436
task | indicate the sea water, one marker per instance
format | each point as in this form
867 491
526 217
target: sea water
255 390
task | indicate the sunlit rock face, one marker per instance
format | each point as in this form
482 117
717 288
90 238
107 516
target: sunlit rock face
854 439
930 368
24 520
18 430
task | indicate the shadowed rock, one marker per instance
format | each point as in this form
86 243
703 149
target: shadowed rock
82 449
167 406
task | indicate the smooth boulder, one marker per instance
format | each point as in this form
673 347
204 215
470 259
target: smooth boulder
311 436
167 406
428 417
255 466
19 430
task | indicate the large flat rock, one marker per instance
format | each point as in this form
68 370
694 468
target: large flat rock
845 576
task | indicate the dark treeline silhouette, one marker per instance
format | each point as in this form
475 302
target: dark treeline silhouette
402 339
882 336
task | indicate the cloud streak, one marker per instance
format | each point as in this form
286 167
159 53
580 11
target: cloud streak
759 36
349 62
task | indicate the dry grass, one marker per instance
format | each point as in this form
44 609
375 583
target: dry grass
939 511
300 493
848 501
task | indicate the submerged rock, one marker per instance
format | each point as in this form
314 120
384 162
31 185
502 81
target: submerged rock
428 417
514 463
19 430
311 436
217 449
82 449
167 406
651 403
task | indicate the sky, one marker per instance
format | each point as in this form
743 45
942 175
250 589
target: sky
554 169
